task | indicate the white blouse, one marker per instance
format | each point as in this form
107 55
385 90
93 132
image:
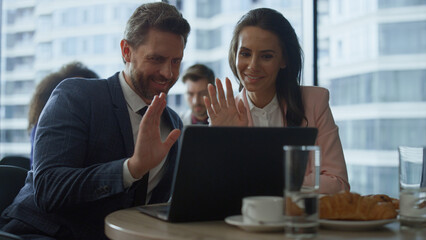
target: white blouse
269 116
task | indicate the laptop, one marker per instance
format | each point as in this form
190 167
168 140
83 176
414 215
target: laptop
218 166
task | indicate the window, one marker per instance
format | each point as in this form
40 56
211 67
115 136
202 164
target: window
99 44
14 136
215 66
99 14
68 17
382 134
44 50
323 48
208 39
69 46
402 38
10 17
377 98
207 8
19 87
44 23
16 111
400 3
19 63
383 86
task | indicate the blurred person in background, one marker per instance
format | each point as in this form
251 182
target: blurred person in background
45 88
196 78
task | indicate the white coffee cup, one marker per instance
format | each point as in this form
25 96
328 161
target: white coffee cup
262 210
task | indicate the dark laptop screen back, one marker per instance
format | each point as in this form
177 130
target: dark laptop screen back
218 166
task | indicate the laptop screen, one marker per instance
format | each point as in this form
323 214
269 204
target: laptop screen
218 166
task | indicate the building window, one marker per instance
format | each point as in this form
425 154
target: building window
19 87
402 38
99 44
69 46
16 111
214 66
383 86
400 3
374 179
24 63
68 17
208 39
323 48
382 134
15 136
207 8
44 23
44 51
99 14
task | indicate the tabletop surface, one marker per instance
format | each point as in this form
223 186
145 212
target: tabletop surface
130 224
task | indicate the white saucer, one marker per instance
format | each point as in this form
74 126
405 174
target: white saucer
237 220
354 225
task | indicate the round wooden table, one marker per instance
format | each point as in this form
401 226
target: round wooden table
130 224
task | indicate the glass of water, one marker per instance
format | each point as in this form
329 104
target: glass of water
301 185
412 186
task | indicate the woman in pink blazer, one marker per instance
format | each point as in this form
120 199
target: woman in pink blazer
266 58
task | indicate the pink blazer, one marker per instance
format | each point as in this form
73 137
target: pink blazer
334 176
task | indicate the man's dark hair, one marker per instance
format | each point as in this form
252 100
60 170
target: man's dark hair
197 72
160 16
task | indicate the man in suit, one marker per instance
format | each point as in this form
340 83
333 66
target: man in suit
196 78
96 149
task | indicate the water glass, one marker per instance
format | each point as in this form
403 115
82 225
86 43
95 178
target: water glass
301 171
412 186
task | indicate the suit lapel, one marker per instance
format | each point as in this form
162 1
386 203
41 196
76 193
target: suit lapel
121 112
166 116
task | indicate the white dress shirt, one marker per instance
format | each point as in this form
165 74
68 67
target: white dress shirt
134 104
269 116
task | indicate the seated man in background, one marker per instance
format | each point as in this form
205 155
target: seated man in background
196 78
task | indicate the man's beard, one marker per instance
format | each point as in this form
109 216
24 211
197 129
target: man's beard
142 83
202 114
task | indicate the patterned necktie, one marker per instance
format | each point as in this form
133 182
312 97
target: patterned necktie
142 187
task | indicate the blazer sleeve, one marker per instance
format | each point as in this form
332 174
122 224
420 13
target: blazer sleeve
64 173
334 177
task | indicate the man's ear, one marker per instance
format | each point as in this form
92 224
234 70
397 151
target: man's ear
125 50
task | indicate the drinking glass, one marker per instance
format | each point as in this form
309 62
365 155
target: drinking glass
301 171
412 186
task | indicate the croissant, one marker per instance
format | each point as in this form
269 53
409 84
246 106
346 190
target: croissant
352 206
385 198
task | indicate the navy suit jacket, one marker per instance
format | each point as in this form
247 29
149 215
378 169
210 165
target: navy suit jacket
83 137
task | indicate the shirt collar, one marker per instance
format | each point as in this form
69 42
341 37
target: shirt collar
194 120
270 107
132 98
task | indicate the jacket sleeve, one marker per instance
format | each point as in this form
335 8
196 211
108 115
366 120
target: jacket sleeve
64 173
334 177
